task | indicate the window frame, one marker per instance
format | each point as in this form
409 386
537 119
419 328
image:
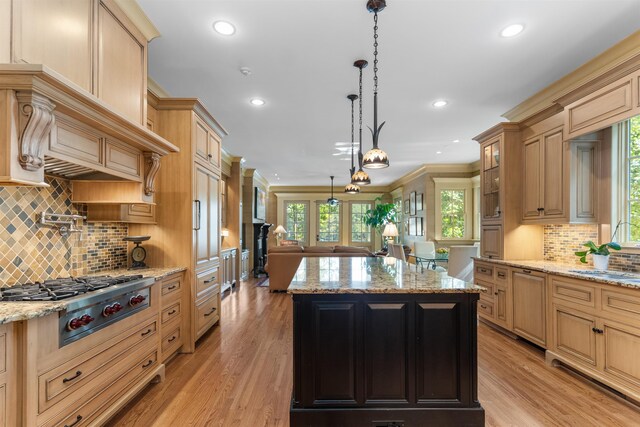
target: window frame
469 186
306 219
328 243
371 235
621 135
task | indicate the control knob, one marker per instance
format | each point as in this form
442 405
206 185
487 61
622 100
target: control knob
135 300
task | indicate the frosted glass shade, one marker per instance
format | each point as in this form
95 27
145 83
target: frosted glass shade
390 230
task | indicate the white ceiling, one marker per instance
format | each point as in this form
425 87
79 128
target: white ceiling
301 54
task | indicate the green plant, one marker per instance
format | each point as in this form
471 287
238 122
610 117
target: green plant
596 250
381 214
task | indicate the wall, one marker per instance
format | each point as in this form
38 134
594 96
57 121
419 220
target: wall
561 241
29 252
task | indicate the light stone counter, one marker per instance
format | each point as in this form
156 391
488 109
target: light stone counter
609 277
337 275
23 310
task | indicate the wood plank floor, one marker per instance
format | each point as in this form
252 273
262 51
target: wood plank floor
240 375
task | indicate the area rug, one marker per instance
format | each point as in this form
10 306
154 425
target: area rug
263 283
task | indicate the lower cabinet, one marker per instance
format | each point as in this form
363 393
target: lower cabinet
8 376
206 307
228 258
530 305
171 315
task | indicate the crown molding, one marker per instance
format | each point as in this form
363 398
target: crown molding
157 90
433 168
497 130
296 189
192 104
134 12
594 72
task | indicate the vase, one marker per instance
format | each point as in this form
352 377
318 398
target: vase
601 262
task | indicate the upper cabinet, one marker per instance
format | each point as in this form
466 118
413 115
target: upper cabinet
491 194
122 66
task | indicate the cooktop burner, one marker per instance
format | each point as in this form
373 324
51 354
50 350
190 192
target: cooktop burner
57 289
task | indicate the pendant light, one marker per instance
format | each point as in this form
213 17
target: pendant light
360 177
352 188
332 201
375 158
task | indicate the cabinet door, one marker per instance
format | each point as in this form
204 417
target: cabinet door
387 348
621 347
234 273
490 181
502 306
214 150
574 335
553 184
491 238
584 181
531 205
529 305
214 216
202 141
56 33
202 215
121 66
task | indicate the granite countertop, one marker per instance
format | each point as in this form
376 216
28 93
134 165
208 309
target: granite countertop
576 271
333 275
23 310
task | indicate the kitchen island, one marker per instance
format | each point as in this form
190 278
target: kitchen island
379 343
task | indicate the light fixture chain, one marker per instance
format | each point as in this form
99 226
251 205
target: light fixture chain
352 138
375 53
360 112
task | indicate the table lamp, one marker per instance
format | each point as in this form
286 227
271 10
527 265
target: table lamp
279 232
390 231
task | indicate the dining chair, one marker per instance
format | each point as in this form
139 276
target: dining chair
424 250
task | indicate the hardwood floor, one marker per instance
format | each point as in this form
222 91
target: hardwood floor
240 375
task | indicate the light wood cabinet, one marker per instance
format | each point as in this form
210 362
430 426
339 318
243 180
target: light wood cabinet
495 303
228 265
8 376
172 318
244 265
122 65
574 334
207 144
530 305
501 182
543 191
188 212
585 194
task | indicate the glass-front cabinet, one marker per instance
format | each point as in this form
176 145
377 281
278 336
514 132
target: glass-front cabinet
492 203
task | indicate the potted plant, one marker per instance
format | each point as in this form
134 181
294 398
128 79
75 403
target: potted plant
380 215
600 254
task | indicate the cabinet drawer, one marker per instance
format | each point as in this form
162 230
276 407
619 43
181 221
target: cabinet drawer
207 313
170 313
489 295
621 303
123 159
171 341
573 291
206 281
501 275
60 382
171 289
75 141
485 308
483 271
84 413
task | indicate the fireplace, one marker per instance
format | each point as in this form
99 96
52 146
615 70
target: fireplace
260 234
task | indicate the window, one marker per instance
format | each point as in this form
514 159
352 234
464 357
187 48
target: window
297 221
452 210
455 210
629 195
328 223
360 232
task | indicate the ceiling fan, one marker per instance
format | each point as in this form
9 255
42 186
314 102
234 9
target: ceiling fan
332 201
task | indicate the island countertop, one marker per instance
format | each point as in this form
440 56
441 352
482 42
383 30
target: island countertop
336 275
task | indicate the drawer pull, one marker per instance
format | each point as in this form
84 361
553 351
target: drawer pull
526 271
173 338
495 293
66 380
502 275
78 419
172 287
483 270
171 312
146 333
210 313
213 279
597 331
146 365
483 306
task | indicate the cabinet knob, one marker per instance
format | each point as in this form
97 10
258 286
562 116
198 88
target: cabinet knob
597 331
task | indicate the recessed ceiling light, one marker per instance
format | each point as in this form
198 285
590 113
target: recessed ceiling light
225 28
456 140
440 103
438 152
512 30
257 102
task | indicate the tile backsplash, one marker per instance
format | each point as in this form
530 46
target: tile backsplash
562 240
29 252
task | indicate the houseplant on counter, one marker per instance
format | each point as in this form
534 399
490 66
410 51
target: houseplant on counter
380 215
600 254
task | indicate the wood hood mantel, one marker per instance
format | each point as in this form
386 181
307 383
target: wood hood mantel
46 119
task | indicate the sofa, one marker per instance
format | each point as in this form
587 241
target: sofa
283 261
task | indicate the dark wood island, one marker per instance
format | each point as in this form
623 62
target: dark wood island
379 343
